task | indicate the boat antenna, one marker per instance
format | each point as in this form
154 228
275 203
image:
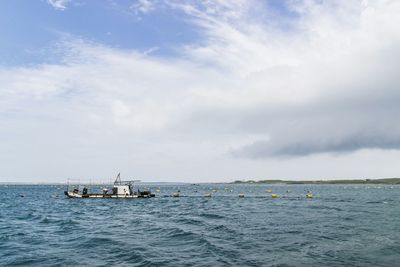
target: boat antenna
118 179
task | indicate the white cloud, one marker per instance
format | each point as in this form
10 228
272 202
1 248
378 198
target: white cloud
150 50
143 6
325 82
58 4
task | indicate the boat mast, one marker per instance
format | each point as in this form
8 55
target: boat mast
118 179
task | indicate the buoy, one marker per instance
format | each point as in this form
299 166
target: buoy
241 195
309 195
176 194
274 195
269 190
157 190
214 190
207 195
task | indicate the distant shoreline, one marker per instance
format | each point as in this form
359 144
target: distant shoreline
390 181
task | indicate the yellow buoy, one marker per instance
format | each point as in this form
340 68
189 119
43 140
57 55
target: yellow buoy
309 195
274 195
269 190
176 194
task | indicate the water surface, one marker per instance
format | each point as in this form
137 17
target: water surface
343 225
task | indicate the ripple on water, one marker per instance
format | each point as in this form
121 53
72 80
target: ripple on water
208 215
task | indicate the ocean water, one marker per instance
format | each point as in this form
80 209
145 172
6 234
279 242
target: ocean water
343 225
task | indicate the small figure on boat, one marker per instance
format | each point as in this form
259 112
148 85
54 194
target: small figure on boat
177 194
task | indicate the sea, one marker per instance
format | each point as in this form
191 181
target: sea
342 225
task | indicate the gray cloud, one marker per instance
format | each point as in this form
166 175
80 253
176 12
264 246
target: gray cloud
348 144
342 123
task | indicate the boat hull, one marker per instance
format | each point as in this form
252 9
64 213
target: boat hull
80 195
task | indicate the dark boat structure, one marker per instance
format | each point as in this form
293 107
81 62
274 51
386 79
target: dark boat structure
120 189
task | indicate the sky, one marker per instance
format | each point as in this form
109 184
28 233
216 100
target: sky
199 91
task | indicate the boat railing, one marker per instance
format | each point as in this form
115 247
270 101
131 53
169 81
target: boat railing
91 187
128 182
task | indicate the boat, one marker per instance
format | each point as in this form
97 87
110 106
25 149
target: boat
121 189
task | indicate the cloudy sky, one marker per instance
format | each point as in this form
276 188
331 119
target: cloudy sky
197 91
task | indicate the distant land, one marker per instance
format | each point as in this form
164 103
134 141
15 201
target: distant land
390 181
342 181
